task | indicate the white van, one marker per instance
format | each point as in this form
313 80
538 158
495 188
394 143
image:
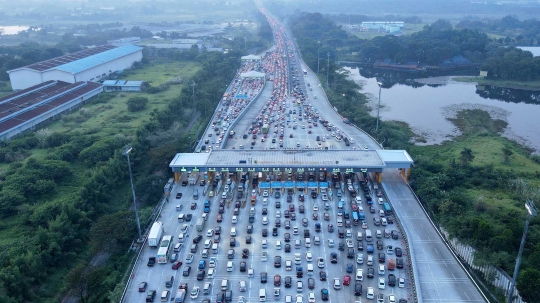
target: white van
369 238
229 265
181 238
262 295
307 242
359 236
181 218
211 272
381 213
381 200
310 269
233 231
224 284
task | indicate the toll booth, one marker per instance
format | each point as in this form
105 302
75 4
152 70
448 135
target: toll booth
313 185
301 184
289 185
277 185
264 186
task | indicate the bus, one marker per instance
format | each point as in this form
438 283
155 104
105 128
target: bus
355 219
387 208
164 249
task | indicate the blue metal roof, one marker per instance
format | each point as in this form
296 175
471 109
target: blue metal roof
97 59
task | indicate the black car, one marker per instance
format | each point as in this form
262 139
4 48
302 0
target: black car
288 281
278 222
370 272
349 267
301 198
311 283
232 242
382 258
293 216
265 211
265 232
189 217
278 204
322 275
245 253
274 231
314 194
306 233
341 245
186 271
330 228
221 209
184 183
197 239
399 263
193 205
287 214
318 227
200 274
357 288
217 230
178 195
228 296
248 240
380 244
302 209
277 261
287 237
398 252
287 224
243 266
287 248
324 294
250 229
264 277
289 198
277 194
333 257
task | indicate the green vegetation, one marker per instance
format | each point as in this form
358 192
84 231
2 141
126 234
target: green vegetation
135 104
526 85
474 186
65 196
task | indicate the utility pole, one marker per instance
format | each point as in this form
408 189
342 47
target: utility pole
126 152
378 107
327 69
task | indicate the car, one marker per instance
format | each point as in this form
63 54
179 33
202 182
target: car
189 258
217 238
150 296
382 283
326 217
311 283
265 211
380 298
320 262
287 224
293 216
291 207
349 268
299 298
232 242
277 261
301 198
341 246
304 222
173 258
217 230
311 297
195 292
370 294
274 231
315 216
315 207
197 239
380 244
287 237
360 245
184 183
219 218
349 242
389 249
193 205
184 228
377 221
391 298
186 271
401 282
324 294
178 195
360 258
309 256
230 254
277 280
357 288
265 232
264 277
142 286
347 280
370 272
402 300
189 217
330 228
398 252
364 224
337 284
264 256
265 193
202 264
333 257
301 209
278 204
243 266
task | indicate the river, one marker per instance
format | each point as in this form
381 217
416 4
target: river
426 105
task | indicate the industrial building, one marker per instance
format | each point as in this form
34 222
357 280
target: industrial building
27 108
122 86
87 65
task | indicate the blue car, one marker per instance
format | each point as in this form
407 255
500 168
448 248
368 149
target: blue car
202 264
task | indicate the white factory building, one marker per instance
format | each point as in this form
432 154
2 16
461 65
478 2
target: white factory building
87 65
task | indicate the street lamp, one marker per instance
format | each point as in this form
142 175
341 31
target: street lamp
378 107
126 153
318 42
531 212
327 68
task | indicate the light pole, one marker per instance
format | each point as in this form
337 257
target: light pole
126 153
327 68
318 42
378 107
531 212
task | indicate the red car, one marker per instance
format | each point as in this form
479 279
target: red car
176 264
347 280
219 218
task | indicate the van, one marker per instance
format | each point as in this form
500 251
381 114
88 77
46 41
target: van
215 248
317 240
307 242
242 286
181 218
204 253
379 234
233 231
369 238
359 236
195 194
297 243
224 284
165 295
211 272
169 281
310 269
262 295
278 244
181 238
229 265
264 244
180 296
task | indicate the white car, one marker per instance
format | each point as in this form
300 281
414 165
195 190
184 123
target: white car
288 299
324 197
311 297
195 292
184 228
382 283
316 206
337 284
330 243
264 256
210 233
265 193
391 299
278 214
350 243
297 258
401 282
320 262
360 258
370 293
390 249
241 299
309 256
299 299
212 262
234 219
189 258
265 220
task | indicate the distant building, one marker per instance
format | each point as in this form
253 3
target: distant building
87 65
186 41
386 26
125 41
122 86
27 108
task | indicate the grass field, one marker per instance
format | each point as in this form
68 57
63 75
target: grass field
528 85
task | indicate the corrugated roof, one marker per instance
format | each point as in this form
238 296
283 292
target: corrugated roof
122 83
97 59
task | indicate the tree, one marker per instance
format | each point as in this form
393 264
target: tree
507 152
137 103
527 285
466 156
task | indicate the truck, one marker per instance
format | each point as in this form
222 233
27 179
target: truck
265 128
193 177
200 224
391 264
154 237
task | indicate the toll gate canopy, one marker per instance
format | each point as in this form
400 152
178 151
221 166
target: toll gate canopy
295 160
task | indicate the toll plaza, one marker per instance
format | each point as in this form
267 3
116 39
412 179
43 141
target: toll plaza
269 165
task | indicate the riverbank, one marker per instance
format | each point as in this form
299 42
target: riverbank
526 85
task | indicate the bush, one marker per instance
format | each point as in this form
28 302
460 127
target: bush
137 103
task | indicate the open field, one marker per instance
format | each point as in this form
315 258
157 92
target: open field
528 85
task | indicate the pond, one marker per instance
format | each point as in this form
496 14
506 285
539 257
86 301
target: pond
425 104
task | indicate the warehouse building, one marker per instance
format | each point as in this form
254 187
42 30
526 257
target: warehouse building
87 65
28 108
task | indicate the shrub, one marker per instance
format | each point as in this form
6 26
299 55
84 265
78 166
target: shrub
137 103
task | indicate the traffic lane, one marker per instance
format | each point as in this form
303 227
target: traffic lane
437 271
